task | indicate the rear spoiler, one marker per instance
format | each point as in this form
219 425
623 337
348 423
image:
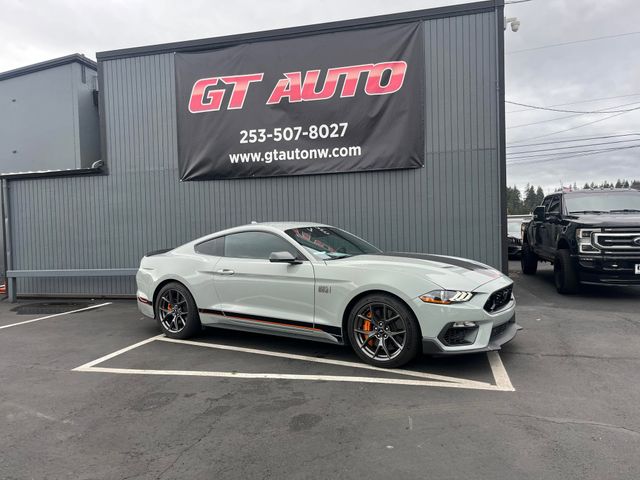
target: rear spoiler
158 252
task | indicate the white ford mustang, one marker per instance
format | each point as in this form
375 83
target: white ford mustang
318 282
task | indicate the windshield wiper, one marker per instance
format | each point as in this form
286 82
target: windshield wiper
625 210
589 211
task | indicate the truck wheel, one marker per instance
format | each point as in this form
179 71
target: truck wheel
564 273
528 260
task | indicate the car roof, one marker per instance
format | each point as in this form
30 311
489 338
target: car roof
264 226
287 225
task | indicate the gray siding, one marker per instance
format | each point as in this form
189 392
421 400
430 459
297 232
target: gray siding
452 206
48 120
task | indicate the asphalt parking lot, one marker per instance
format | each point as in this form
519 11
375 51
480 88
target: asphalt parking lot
559 402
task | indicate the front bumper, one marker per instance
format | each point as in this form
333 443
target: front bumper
491 331
500 334
608 269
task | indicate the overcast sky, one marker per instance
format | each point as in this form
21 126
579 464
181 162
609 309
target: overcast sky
37 30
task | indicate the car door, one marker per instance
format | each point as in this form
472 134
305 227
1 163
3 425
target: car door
251 288
539 229
551 226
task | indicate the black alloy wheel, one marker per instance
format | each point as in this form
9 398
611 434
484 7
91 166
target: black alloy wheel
383 331
176 311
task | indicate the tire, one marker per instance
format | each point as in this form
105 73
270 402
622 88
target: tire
564 273
378 337
528 260
176 312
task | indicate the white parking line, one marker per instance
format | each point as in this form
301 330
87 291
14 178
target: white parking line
499 372
502 382
341 363
56 315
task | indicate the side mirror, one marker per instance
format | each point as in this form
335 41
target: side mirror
283 257
539 214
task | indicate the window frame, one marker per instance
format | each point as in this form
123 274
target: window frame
553 199
300 255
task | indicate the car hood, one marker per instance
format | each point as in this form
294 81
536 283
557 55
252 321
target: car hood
608 220
452 273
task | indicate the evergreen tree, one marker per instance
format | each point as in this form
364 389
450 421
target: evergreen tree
539 196
586 186
625 184
530 200
514 201
618 184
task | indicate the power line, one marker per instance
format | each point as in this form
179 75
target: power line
574 152
569 147
575 139
581 112
543 121
569 129
593 39
580 101
517 162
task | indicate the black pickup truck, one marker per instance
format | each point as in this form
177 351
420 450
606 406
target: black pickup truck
590 236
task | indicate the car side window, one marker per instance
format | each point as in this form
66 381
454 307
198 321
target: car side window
214 247
554 206
258 245
546 203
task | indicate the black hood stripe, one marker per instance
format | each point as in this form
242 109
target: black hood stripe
438 258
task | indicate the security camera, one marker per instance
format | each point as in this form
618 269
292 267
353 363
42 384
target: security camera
515 23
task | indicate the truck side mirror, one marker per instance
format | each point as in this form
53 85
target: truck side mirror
539 214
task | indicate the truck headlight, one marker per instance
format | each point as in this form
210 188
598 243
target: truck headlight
583 237
446 297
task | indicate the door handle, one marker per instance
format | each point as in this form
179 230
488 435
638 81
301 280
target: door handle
225 271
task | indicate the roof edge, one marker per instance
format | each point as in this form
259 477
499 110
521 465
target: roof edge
56 62
328 27
53 173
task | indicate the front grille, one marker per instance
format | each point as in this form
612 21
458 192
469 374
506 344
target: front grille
453 335
499 299
618 241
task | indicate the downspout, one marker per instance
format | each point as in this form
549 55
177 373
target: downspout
502 149
11 281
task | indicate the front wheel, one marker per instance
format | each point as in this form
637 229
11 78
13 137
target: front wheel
176 311
383 331
564 273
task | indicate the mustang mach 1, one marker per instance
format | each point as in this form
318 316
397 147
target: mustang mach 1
318 282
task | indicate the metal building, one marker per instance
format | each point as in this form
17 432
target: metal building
48 119
85 233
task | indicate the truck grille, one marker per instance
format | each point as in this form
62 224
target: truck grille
618 241
498 299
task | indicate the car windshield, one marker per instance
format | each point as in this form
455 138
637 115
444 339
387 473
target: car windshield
328 243
514 228
614 202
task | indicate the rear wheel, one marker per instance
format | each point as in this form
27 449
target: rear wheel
176 311
564 273
528 260
383 331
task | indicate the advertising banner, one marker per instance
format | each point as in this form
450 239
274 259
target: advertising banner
326 103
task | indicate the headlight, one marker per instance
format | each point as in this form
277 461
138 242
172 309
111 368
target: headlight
583 237
446 297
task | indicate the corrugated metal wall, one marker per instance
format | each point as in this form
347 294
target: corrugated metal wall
452 206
